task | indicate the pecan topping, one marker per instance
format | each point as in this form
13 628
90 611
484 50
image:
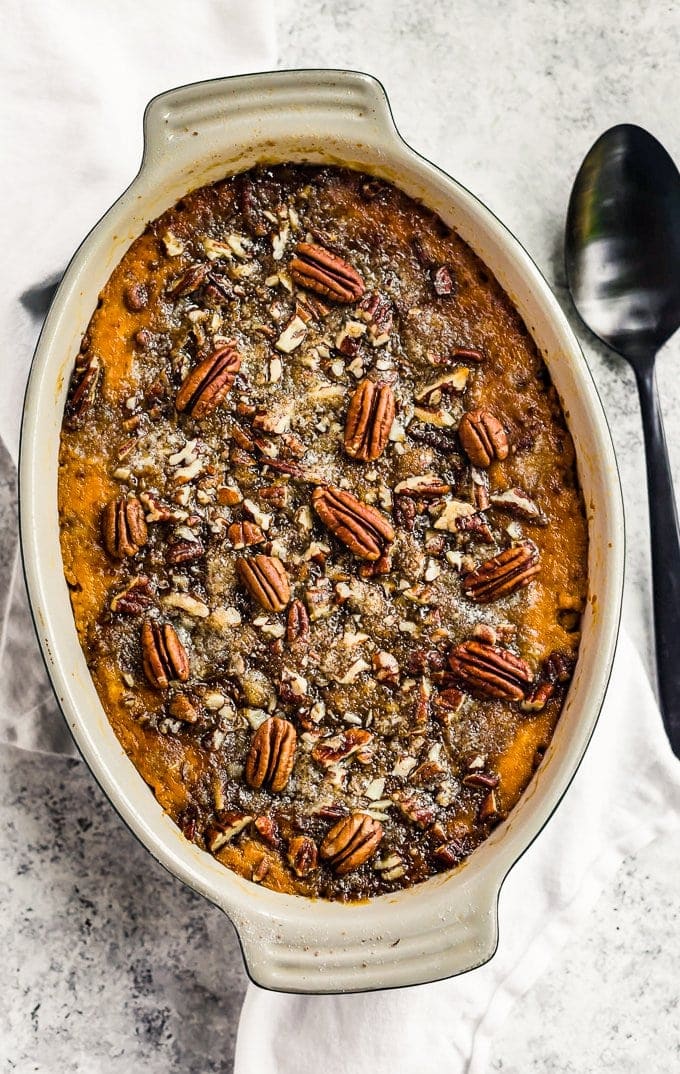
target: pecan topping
330 751
302 855
505 573
182 709
266 580
369 419
124 529
136 297
297 624
319 270
482 437
184 552
267 829
163 655
135 598
85 380
190 281
363 529
351 842
245 534
490 671
271 755
208 383
415 809
443 281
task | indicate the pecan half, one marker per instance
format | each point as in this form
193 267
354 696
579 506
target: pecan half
163 656
351 842
319 270
490 671
503 574
266 580
302 855
245 534
135 598
363 529
208 383
297 624
483 437
369 419
271 755
85 380
124 529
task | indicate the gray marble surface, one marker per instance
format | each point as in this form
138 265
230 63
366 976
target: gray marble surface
110 964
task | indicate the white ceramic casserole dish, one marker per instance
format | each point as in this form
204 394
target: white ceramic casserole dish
195 135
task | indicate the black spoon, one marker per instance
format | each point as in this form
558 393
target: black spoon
623 268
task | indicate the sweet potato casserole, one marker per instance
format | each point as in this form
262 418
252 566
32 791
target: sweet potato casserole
322 530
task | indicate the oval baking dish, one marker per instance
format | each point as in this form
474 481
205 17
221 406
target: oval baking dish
193 136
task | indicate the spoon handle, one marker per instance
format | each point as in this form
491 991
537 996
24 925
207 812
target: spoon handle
663 517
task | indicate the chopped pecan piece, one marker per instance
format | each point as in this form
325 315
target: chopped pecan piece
135 598
231 823
415 809
443 281
351 842
163 656
490 671
321 271
449 854
181 708
386 668
297 624
302 855
85 380
423 486
136 297
515 502
369 419
475 527
365 531
329 751
245 534
489 780
124 529
190 281
271 755
405 510
503 574
489 809
483 437
267 829
184 552
266 580
208 383
376 310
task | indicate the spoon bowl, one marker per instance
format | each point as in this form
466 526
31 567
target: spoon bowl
623 242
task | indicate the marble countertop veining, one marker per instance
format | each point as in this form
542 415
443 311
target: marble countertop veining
110 964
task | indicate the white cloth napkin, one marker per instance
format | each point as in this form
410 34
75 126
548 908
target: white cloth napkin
626 792
75 77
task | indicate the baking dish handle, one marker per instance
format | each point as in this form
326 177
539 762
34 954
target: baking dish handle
306 108
413 938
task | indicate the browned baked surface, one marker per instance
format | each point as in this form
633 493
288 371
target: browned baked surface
322 531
